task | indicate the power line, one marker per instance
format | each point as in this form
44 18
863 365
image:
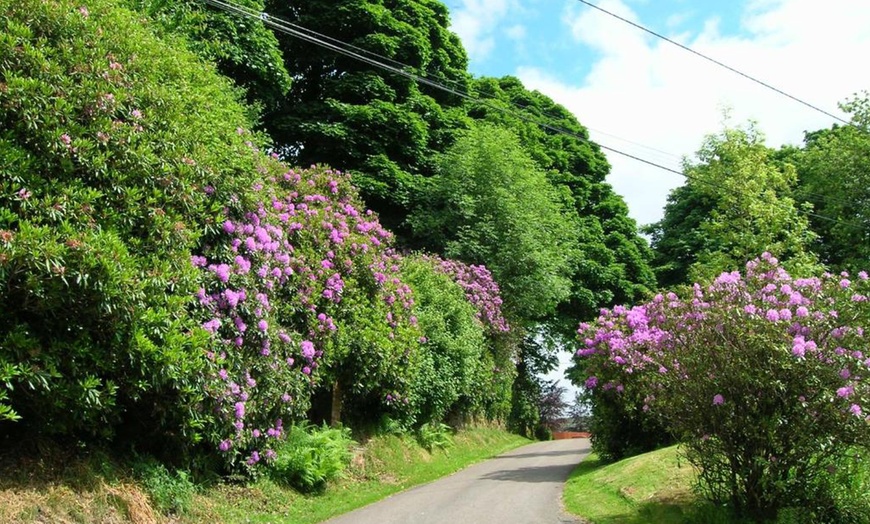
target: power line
404 70
399 65
717 62
336 45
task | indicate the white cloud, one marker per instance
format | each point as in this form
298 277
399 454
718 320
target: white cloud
516 32
476 21
653 93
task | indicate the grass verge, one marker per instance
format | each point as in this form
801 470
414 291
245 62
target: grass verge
385 465
53 485
653 487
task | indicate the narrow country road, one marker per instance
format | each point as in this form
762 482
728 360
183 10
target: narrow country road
523 486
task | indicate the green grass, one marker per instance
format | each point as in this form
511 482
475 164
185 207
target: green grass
45 483
653 487
385 466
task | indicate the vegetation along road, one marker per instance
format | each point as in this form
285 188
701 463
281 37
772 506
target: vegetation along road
522 486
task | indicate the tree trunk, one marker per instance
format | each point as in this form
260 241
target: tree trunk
335 415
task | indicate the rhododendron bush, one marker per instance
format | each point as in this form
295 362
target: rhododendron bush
302 283
762 377
167 284
464 370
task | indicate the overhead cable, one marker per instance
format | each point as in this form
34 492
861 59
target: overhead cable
717 62
400 69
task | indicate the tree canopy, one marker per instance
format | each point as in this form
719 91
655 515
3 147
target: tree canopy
489 204
834 176
736 204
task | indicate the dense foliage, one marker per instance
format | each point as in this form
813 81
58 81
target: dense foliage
490 205
382 127
762 377
463 373
242 49
737 202
614 262
167 283
109 181
833 169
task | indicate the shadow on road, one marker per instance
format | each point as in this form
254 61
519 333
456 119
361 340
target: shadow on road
541 454
532 474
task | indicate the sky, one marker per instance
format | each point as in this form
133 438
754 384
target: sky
649 98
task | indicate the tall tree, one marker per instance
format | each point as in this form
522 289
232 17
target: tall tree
614 261
490 204
834 176
382 126
751 210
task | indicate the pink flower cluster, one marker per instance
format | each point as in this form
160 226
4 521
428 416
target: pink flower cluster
277 276
481 290
816 322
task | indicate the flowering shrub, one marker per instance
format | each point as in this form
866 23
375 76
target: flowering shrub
459 374
107 175
763 378
481 290
304 280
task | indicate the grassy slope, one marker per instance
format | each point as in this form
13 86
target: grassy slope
56 487
653 487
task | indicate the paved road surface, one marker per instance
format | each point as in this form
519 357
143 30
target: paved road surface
523 486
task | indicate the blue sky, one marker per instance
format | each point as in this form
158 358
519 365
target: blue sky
644 96
649 98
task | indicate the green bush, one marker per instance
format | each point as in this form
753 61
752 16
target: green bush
449 378
170 493
435 435
119 151
310 457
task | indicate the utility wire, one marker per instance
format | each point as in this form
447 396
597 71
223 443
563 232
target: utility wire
717 62
336 45
399 65
310 37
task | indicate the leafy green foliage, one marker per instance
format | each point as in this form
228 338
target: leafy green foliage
383 127
117 150
454 355
833 169
241 48
434 435
762 378
736 204
491 205
171 493
613 265
678 239
309 457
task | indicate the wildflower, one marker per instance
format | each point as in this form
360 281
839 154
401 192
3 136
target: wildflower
718 400
225 445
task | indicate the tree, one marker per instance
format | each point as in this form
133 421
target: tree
109 183
383 127
613 264
834 176
490 205
552 405
751 210
678 238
